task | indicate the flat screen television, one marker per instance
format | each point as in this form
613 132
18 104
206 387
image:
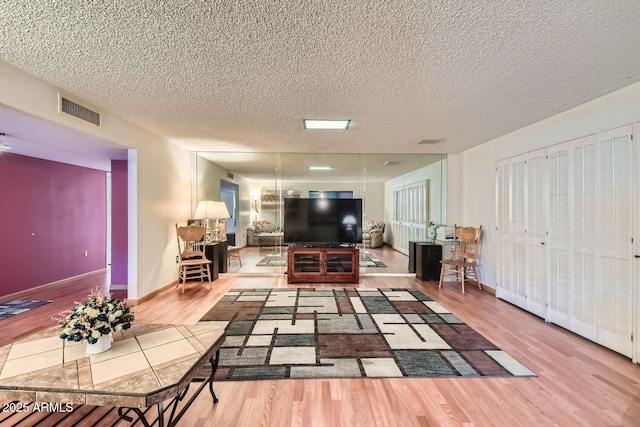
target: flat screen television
322 220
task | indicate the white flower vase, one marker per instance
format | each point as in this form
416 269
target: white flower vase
103 344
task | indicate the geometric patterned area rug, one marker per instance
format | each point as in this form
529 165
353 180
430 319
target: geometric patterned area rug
273 259
369 260
279 259
11 308
349 333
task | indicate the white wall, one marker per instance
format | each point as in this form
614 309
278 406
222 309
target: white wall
477 198
436 174
208 176
455 179
162 183
164 179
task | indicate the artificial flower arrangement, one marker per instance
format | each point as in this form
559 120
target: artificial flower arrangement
95 317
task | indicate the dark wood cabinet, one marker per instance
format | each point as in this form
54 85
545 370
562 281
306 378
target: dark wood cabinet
323 263
428 258
212 252
412 255
223 263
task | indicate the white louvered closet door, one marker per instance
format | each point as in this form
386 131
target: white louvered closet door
520 222
578 200
615 233
503 255
410 214
517 231
584 213
559 244
535 232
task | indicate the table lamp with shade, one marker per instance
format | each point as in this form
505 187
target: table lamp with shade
210 210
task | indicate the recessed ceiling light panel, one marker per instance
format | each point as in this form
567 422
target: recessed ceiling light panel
326 124
320 168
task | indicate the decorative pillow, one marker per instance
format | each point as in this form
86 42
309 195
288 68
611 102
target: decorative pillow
260 225
369 225
268 228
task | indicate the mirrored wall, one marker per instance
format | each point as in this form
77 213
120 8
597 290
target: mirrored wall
402 192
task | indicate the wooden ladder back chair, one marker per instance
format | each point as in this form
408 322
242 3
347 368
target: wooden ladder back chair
463 263
192 262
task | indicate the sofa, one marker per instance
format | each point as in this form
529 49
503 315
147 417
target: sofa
264 233
373 234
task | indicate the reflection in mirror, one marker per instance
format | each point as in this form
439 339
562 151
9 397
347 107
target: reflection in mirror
401 194
413 186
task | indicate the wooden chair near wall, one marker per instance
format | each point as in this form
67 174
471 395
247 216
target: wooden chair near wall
192 262
463 263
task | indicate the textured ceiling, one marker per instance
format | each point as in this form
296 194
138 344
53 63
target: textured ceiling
241 75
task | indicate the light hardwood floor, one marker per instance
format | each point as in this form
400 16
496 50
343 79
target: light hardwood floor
578 383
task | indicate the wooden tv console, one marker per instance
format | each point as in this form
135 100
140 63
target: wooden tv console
323 263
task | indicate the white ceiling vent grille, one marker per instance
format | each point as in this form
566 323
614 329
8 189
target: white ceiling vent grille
76 110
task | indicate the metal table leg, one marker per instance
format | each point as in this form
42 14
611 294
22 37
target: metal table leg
174 417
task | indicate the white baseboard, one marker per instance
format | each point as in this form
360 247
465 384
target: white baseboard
18 295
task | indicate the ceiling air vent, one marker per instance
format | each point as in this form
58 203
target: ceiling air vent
76 110
229 175
430 141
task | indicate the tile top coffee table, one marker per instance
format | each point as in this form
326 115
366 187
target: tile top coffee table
146 365
270 239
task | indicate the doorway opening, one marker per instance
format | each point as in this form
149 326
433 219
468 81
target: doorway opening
229 195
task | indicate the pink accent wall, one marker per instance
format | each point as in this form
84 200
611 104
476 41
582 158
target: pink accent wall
50 214
119 223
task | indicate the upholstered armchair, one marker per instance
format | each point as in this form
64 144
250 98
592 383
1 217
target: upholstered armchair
373 234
